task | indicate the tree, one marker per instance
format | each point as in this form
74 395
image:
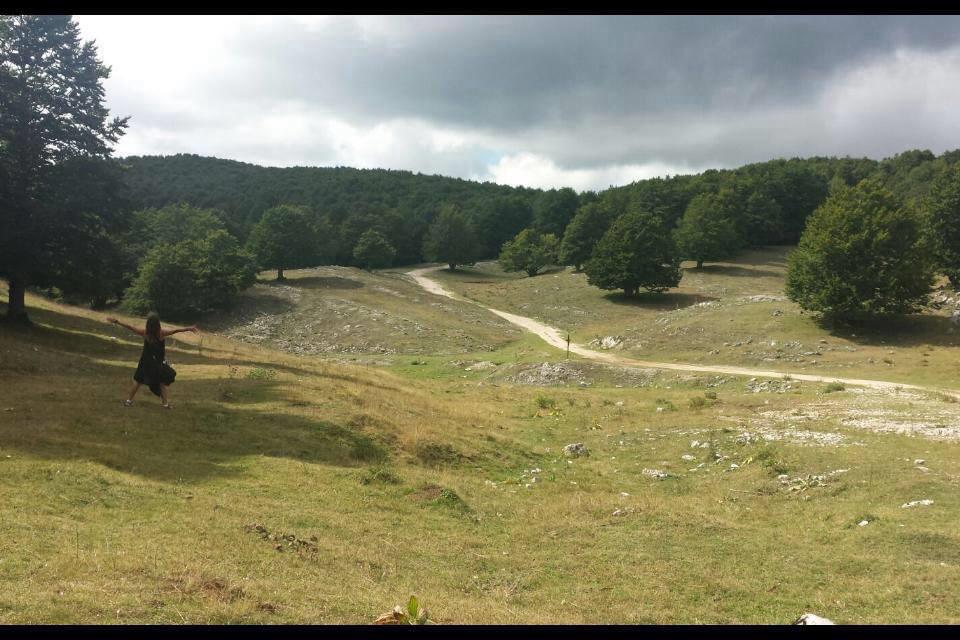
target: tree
762 220
500 219
636 251
943 209
190 277
373 251
862 254
451 239
553 210
285 238
706 232
584 231
51 111
529 251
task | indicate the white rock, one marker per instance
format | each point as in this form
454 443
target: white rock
916 503
688 457
810 618
655 473
919 461
576 449
863 523
659 409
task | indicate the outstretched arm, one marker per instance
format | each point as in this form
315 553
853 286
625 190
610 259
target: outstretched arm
137 331
170 332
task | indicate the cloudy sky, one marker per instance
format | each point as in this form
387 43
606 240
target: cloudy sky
542 101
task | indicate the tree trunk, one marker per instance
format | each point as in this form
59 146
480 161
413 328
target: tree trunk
452 265
699 264
16 308
630 291
280 274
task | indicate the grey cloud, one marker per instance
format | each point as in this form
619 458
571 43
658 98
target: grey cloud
505 73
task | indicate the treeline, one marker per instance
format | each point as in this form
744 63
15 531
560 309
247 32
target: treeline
634 237
197 229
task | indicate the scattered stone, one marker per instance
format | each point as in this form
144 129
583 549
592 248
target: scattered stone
688 457
480 366
623 512
863 523
655 473
575 450
659 409
810 618
611 342
916 503
919 461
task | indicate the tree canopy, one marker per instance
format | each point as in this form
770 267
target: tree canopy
637 251
374 251
286 238
707 231
863 254
451 238
51 114
529 252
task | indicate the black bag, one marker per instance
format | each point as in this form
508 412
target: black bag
167 373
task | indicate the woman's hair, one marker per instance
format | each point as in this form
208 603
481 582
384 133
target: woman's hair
153 327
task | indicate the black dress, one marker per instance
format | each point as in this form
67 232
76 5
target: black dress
152 370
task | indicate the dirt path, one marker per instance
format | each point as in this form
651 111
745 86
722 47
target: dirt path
554 338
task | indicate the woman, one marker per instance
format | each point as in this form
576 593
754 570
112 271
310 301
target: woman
153 369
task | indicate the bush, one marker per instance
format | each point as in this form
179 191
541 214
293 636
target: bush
834 386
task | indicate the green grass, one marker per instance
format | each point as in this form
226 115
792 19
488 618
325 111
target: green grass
420 479
710 319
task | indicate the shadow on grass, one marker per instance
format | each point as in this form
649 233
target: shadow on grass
732 270
910 330
71 340
58 412
659 301
318 282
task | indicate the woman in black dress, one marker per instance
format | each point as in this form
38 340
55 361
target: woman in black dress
152 370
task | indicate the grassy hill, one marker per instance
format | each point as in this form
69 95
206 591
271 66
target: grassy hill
287 488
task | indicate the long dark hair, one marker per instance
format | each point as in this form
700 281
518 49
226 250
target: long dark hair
153 327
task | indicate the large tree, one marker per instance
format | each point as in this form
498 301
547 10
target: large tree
193 276
584 231
451 239
529 251
51 112
706 231
374 251
943 208
285 238
862 254
635 252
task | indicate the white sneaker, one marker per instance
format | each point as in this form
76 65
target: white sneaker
128 403
166 406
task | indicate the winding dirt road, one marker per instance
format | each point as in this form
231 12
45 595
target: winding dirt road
554 338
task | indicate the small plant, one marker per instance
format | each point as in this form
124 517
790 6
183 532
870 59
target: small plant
834 386
259 373
698 402
887 361
663 403
379 475
710 395
543 402
412 614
